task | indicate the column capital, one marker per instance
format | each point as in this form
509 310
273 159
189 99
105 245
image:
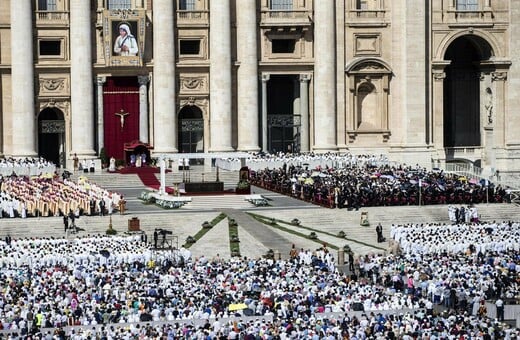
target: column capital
439 75
499 76
305 77
143 80
101 80
265 77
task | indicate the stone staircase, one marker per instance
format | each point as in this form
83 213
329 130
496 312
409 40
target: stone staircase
197 174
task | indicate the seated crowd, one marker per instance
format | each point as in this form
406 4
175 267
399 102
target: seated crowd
23 196
26 166
261 160
113 283
362 184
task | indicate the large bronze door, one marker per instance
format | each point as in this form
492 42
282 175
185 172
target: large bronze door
283 133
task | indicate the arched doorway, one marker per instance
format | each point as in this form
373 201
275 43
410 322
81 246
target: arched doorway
462 92
191 132
51 136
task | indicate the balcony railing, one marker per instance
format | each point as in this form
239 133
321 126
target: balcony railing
291 17
193 17
470 152
477 17
367 14
52 17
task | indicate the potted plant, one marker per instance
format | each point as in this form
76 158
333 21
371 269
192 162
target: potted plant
104 158
206 225
313 235
295 221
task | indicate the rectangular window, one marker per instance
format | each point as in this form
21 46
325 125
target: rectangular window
189 47
119 4
361 4
47 5
281 5
283 45
467 5
187 5
50 47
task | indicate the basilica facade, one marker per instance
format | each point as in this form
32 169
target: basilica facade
426 82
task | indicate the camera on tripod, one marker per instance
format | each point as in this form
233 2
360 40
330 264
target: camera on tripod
164 232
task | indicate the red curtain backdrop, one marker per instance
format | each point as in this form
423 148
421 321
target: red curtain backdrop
120 93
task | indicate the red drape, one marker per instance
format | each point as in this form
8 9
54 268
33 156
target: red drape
120 95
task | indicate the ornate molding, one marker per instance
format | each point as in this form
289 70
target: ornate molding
368 66
143 80
305 77
101 80
499 76
124 13
439 76
193 101
63 106
265 77
193 83
52 84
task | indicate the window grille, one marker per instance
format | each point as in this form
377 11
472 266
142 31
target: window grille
467 5
47 5
119 4
281 5
187 5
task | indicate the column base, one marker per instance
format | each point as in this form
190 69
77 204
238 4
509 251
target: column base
156 152
223 149
249 148
24 154
325 148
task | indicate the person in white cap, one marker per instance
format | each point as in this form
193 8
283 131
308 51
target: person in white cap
125 44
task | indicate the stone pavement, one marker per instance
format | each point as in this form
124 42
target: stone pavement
255 238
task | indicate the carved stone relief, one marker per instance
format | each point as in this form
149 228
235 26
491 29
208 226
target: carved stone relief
194 84
54 86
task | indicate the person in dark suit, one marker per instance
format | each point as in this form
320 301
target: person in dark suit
379 232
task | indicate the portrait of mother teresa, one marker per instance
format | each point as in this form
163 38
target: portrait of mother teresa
125 44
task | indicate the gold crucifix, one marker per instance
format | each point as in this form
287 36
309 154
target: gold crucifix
122 114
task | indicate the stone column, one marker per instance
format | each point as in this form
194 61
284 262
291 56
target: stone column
304 111
220 76
165 108
143 108
265 79
22 81
438 76
499 79
100 113
247 101
324 77
81 78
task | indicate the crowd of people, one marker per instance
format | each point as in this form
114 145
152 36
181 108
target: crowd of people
365 181
121 287
49 195
260 160
28 166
